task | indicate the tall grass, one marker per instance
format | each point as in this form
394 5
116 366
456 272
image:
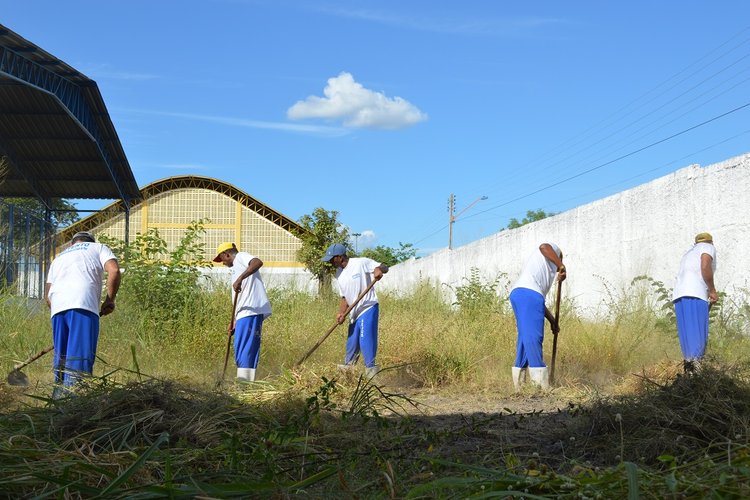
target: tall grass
432 343
302 432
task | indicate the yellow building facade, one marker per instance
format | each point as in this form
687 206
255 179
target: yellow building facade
230 214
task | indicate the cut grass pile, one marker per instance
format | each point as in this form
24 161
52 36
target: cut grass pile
681 437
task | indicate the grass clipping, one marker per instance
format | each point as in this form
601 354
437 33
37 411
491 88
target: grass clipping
687 416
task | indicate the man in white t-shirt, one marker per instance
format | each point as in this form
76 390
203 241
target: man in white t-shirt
694 293
527 299
252 307
73 292
354 275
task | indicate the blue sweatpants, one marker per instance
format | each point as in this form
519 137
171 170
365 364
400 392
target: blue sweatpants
363 336
528 307
247 341
692 326
75 333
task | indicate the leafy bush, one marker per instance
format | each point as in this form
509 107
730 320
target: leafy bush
662 303
476 295
162 283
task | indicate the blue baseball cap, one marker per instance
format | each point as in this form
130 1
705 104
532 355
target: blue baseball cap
334 250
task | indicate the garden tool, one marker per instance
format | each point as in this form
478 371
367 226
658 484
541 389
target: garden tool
17 377
554 342
229 337
330 330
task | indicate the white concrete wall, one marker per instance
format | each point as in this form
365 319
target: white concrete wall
644 230
295 278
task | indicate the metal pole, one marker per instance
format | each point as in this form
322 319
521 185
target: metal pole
10 246
451 208
127 225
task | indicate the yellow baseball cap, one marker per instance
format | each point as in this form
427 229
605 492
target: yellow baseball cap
223 247
704 238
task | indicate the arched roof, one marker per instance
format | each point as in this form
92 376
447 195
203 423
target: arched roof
55 130
184 182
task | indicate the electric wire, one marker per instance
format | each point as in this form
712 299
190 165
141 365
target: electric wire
615 118
602 165
656 129
523 171
587 194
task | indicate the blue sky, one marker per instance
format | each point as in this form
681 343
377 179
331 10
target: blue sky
381 109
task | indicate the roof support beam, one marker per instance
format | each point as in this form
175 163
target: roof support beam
21 69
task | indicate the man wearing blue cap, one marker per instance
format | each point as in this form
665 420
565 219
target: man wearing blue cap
73 292
354 275
253 307
694 293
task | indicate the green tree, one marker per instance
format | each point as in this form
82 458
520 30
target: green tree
390 256
29 229
64 213
323 229
531 216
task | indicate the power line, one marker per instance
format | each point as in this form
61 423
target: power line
665 165
615 159
684 113
585 135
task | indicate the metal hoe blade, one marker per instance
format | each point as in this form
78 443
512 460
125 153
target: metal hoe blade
17 377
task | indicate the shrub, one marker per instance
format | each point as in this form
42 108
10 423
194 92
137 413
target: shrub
476 295
160 282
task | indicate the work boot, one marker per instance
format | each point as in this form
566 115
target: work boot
540 377
519 377
245 374
371 371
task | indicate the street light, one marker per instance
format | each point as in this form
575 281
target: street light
356 238
452 218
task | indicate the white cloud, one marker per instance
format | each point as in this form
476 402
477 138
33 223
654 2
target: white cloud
243 122
486 26
358 107
366 239
106 72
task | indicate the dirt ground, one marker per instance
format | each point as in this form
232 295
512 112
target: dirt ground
496 429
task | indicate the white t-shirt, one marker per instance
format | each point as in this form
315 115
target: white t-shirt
75 277
353 279
538 273
689 281
253 298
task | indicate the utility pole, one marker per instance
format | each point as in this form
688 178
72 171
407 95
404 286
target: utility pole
451 219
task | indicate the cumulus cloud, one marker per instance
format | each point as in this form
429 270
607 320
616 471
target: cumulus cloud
357 107
366 239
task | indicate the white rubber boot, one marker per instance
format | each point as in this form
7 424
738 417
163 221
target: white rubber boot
540 377
246 374
345 368
519 377
372 371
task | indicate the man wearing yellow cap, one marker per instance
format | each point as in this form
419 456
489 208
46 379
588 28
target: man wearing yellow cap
694 292
252 307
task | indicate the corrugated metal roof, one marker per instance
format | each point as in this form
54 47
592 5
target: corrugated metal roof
55 129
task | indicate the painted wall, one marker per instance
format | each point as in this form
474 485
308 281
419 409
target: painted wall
644 230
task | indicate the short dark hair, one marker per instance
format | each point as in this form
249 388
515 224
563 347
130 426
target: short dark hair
83 236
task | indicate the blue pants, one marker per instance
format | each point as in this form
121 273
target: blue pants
528 307
692 326
75 333
363 336
247 341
